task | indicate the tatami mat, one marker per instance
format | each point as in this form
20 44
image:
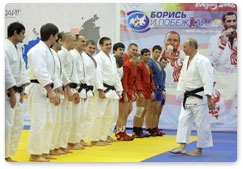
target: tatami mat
152 149
133 151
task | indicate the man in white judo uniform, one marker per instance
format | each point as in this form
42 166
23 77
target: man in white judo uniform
16 79
88 129
58 113
77 53
109 88
41 93
196 81
71 110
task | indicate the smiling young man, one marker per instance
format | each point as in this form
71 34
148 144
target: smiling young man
109 88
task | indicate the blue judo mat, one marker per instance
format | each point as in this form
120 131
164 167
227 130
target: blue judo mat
224 150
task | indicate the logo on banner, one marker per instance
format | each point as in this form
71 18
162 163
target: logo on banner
138 21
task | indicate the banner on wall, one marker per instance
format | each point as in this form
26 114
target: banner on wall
147 24
88 19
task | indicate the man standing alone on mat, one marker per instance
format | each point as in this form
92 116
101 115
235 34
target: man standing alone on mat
196 81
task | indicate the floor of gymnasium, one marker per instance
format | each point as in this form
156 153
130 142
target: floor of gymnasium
152 149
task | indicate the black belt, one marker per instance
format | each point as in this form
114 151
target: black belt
82 86
36 81
17 89
73 85
108 87
192 93
85 86
89 88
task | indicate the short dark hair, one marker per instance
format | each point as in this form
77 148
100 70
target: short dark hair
163 58
226 14
47 30
118 45
60 35
15 26
101 41
91 42
157 47
145 50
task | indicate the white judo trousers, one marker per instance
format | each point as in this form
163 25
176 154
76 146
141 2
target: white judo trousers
41 120
56 117
100 114
66 120
115 112
13 126
106 111
58 114
92 120
75 119
15 75
57 123
82 123
198 114
107 74
42 68
72 112
79 110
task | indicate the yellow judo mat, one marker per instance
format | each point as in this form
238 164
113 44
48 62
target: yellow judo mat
122 151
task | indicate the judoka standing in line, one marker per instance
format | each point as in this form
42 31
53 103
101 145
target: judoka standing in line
41 93
87 131
109 88
15 81
70 127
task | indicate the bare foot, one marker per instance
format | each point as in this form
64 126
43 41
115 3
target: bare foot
60 151
106 142
66 150
74 146
37 158
98 143
48 156
9 159
79 146
110 139
194 153
54 152
83 143
178 151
